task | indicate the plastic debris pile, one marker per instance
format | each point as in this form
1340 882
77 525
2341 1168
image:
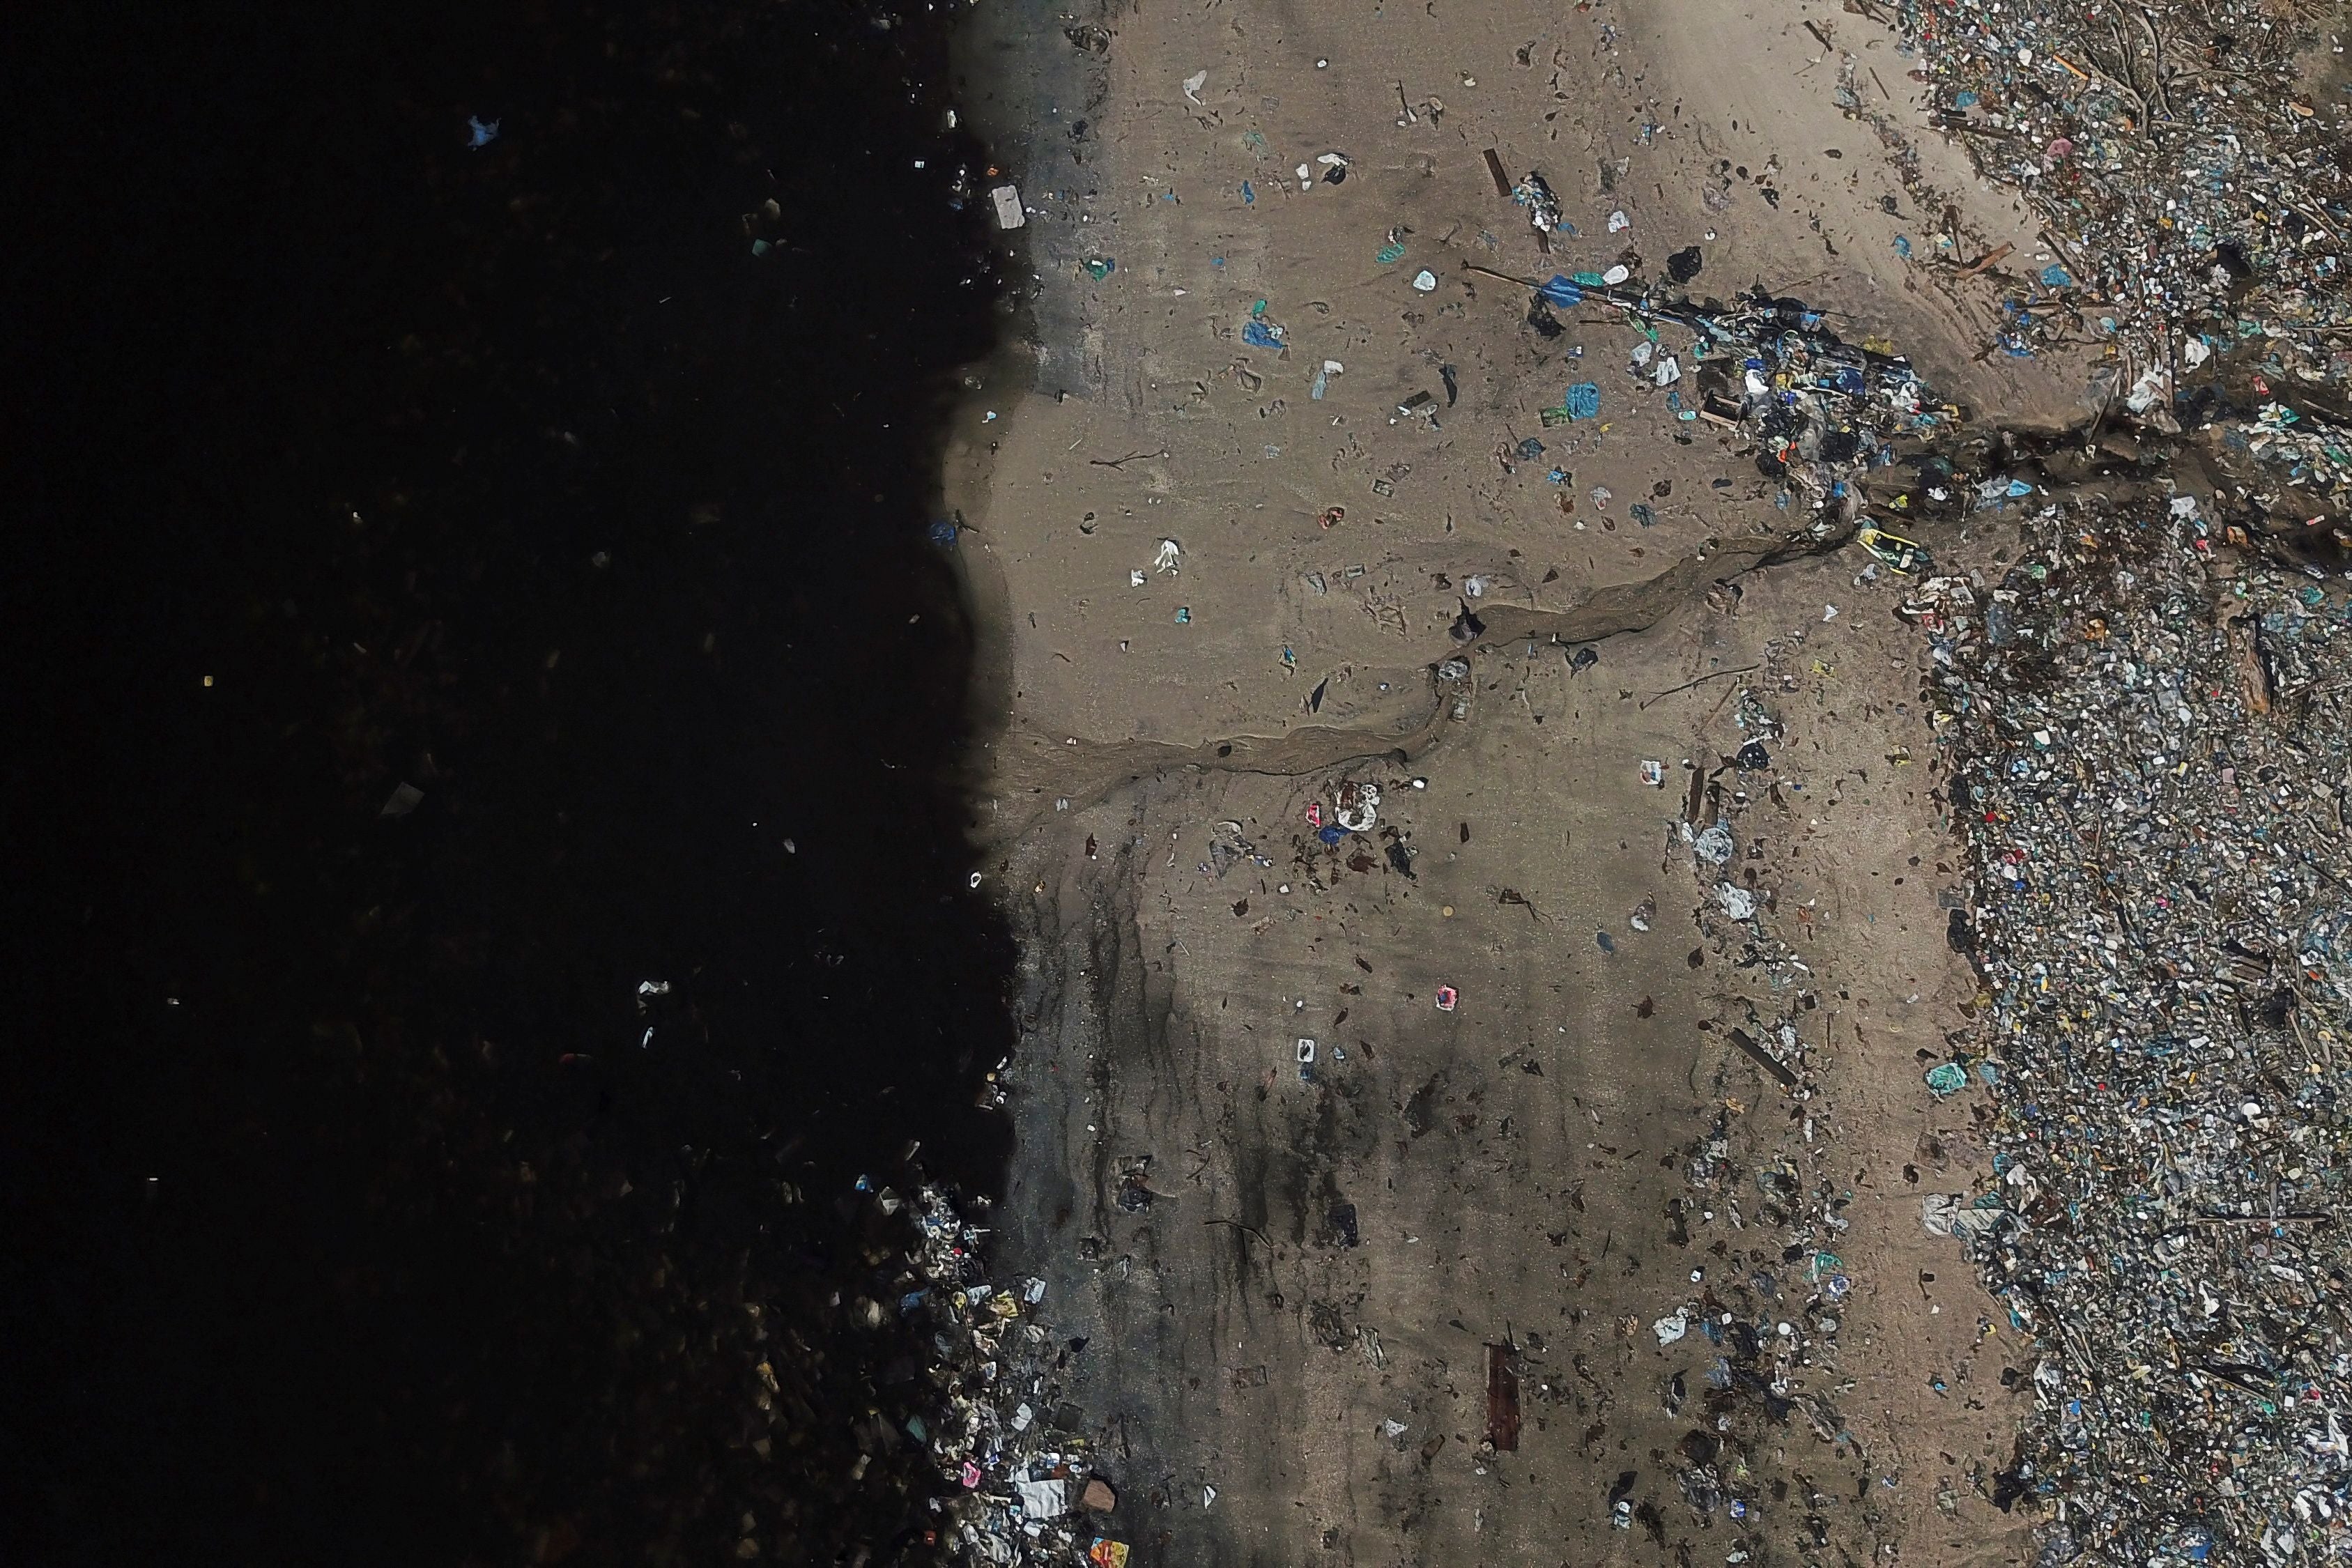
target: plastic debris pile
2091 109
2151 750
1023 1486
2193 177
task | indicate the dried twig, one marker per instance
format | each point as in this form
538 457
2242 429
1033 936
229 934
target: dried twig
1686 686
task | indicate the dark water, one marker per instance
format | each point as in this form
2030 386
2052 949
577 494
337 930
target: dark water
348 1216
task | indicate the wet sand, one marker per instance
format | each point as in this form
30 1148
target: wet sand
1472 1275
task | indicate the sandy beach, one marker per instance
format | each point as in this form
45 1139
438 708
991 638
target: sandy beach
1412 1195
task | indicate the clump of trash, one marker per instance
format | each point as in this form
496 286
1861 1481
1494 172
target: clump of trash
1824 412
1027 1485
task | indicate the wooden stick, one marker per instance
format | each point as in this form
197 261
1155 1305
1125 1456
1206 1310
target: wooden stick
1499 277
1987 259
1502 180
1764 1058
1686 686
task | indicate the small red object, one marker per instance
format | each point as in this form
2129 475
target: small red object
1313 813
1446 997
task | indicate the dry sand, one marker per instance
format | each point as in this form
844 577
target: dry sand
1520 1168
